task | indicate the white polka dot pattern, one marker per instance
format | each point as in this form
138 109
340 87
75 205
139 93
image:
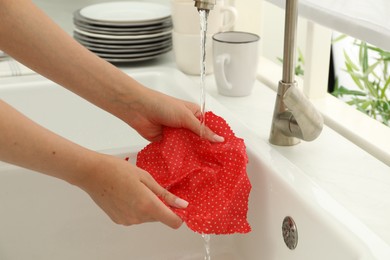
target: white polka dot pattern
210 176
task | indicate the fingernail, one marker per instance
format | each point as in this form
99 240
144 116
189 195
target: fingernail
218 138
181 203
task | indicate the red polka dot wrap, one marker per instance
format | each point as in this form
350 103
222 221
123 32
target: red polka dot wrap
210 176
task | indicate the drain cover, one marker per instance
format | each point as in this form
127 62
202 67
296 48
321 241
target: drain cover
290 233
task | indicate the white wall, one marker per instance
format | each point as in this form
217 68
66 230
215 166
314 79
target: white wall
267 20
249 15
273 32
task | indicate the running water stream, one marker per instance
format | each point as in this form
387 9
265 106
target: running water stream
203 33
206 240
203 14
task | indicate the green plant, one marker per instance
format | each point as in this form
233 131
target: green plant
371 76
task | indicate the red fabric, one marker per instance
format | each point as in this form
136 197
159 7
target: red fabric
210 176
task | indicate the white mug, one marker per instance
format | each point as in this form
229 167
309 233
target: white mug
186 49
185 17
235 60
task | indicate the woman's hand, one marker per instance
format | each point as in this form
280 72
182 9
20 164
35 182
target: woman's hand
129 195
156 110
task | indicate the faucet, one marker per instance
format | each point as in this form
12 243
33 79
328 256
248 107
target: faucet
294 116
205 4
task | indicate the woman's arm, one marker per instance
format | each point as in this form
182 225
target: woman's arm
126 193
31 37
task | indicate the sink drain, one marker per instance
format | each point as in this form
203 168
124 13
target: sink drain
290 233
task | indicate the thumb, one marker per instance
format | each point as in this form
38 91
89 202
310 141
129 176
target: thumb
162 212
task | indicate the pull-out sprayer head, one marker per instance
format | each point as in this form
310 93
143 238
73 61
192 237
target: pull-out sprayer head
205 4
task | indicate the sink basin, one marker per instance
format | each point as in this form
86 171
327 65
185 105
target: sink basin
45 218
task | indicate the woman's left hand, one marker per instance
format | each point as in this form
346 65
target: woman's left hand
156 110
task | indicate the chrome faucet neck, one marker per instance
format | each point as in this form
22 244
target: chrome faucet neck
290 29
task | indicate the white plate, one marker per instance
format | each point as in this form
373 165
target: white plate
105 54
122 37
92 29
144 57
124 51
122 41
116 30
78 17
124 48
128 60
125 12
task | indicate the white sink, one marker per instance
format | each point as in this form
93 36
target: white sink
45 218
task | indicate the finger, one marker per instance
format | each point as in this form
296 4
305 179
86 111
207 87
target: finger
162 213
173 200
165 215
194 125
211 136
168 197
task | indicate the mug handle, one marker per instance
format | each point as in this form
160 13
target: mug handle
230 19
220 69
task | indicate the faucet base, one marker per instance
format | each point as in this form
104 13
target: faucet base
281 122
282 140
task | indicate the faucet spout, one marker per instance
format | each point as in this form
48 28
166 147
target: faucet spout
305 122
205 4
294 116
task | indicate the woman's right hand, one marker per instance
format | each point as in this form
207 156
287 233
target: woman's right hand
130 195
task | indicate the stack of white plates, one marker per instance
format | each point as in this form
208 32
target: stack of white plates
124 31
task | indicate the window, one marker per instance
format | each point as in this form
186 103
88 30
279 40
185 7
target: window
362 76
315 41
